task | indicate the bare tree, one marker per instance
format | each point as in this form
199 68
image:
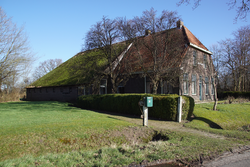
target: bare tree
15 53
241 51
103 37
242 7
217 61
45 67
236 59
153 54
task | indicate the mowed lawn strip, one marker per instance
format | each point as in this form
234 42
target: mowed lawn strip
37 128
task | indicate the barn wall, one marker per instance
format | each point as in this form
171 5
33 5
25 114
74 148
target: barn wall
52 94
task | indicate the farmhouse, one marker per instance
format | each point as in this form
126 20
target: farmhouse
181 62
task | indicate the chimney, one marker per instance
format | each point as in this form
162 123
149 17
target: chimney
147 32
179 24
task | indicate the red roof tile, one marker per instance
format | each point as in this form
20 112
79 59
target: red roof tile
192 39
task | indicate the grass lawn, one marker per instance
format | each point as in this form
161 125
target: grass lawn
51 127
230 120
56 134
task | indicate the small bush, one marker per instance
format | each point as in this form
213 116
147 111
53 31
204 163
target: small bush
164 106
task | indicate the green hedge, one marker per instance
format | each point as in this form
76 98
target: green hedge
236 94
164 106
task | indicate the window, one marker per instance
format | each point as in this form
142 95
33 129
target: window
194 58
185 83
212 87
120 88
193 84
81 90
206 83
103 86
205 60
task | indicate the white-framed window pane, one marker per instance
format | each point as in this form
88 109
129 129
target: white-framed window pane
206 82
212 87
185 85
193 87
193 84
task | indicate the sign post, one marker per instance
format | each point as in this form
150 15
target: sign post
147 102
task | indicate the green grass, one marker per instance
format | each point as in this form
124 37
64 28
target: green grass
38 128
230 120
56 134
178 146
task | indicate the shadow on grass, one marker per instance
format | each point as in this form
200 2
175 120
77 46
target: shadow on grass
209 122
127 115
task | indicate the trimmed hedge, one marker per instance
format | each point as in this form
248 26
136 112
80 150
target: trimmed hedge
236 94
164 106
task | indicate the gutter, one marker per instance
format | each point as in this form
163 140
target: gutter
197 47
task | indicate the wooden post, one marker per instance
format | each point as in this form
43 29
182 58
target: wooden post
179 109
145 116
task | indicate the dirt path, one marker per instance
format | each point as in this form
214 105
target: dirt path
158 124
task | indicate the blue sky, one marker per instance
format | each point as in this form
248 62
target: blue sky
56 28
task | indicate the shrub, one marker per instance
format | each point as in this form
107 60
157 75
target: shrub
164 106
236 94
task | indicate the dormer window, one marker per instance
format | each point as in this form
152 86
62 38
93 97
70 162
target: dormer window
194 58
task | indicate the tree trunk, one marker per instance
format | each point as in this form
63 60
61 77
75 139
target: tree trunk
114 87
215 97
155 86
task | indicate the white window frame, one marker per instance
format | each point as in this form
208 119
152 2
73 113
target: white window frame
103 86
185 83
206 86
194 87
212 87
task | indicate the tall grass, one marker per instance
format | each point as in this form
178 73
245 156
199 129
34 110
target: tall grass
14 95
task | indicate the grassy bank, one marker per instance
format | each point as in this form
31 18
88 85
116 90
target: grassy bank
56 134
230 120
173 145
